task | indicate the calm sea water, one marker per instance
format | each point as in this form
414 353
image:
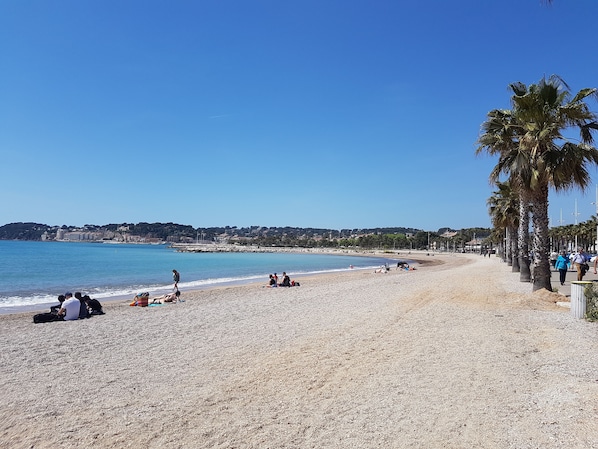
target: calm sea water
35 273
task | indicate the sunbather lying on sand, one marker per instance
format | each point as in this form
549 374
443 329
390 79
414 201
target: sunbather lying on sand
170 297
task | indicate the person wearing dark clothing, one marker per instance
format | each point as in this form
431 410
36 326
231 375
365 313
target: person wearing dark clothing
52 315
272 282
83 312
176 277
93 305
55 309
286 280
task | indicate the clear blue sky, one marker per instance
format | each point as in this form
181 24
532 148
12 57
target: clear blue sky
332 114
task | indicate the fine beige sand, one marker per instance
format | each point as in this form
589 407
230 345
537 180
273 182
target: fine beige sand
457 354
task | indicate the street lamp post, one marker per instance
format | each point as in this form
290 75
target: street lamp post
576 214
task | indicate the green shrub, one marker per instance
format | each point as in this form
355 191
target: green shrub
591 303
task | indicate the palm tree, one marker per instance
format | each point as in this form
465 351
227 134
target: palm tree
568 232
544 157
501 137
503 207
594 222
587 231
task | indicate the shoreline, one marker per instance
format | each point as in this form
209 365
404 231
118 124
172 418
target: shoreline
41 307
421 259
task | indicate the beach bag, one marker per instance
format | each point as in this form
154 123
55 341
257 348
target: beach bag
46 317
141 300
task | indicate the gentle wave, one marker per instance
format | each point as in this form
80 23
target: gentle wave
15 302
33 274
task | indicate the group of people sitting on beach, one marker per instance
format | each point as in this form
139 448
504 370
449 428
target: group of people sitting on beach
143 299
404 266
71 307
400 266
286 281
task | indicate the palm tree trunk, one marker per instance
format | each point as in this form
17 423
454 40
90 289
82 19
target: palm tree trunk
523 237
507 255
541 241
513 250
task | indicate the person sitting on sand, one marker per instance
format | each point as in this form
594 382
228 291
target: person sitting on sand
70 308
93 305
83 312
140 299
52 315
272 282
55 309
170 297
286 280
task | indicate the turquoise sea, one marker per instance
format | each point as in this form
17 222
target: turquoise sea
33 274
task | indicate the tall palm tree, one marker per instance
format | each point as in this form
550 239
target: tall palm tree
500 136
545 157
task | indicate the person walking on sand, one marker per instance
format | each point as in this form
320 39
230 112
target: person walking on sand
176 277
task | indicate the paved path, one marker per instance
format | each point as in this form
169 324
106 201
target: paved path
565 290
571 276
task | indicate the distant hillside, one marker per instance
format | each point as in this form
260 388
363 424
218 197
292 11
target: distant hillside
389 237
174 232
23 231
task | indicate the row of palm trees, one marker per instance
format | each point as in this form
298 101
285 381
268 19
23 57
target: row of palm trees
568 236
534 156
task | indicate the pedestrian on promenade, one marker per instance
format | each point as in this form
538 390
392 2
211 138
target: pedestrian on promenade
580 262
562 264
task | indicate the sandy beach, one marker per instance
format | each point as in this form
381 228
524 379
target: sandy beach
457 354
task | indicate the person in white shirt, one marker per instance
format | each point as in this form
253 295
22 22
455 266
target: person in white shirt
70 307
579 260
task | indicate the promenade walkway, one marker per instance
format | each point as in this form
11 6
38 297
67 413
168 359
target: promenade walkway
565 290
